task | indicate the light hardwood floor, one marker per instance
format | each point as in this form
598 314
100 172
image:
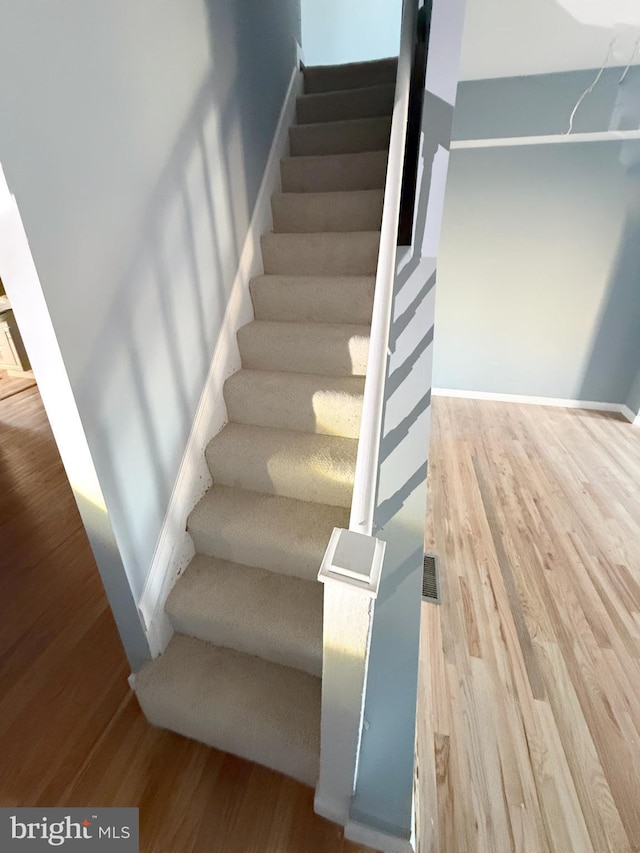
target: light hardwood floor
529 727
529 711
10 385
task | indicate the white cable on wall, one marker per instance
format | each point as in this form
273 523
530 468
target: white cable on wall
590 89
631 58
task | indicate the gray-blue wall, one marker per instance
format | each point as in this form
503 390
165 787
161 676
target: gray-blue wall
539 104
134 136
539 272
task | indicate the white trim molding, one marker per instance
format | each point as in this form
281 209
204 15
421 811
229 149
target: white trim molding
630 415
565 403
376 839
5 195
174 549
350 571
547 139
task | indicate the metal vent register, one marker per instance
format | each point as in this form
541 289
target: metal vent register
430 582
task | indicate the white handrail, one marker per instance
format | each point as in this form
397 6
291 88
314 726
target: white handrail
366 473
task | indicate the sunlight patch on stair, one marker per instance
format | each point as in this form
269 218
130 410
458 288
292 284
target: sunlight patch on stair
336 414
358 352
323 476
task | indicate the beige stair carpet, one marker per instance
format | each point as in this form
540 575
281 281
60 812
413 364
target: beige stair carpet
334 172
268 531
326 253
363 102
303 465
282 617
340 300
236 702
354 210
334 78
329 405
243 670
340 137
330 349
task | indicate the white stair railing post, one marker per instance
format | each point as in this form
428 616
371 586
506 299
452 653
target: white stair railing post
352 563
350 573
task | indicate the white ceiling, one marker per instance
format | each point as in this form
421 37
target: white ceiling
507 38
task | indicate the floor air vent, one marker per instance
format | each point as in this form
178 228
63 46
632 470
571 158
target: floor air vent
430 584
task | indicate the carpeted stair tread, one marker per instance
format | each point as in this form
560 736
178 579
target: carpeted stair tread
354 210
275 533
330 349
324 253
273 616
331 78
313 299
340 137
361 102
328 405
301 465
237 703
364 170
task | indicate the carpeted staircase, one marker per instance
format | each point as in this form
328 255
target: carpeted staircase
243 670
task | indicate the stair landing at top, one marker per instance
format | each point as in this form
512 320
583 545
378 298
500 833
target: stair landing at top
332 78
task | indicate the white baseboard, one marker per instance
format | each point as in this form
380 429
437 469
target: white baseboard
5 194
174 549
629 414
331 810
592 405
378 840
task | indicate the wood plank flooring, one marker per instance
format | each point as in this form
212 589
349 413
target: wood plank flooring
71 731
10 385
529 712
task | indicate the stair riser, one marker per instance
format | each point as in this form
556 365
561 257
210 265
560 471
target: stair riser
346 105
251 611
334 173
333 354
337 212
333 78
289 537
307 406
245 641
168 714
325 254
319 469
313 299
303 561
235 703
258 552
340 138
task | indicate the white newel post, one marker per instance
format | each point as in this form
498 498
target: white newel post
350 572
